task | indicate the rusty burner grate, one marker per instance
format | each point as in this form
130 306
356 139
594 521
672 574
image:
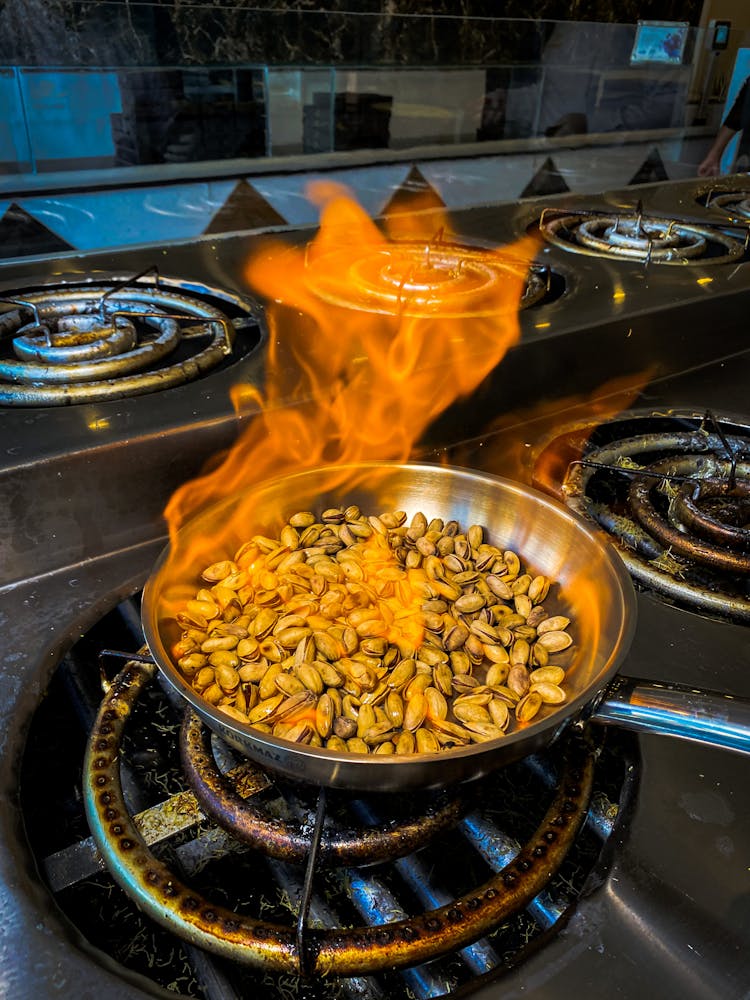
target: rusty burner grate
113 337
641 238
673 491
236 883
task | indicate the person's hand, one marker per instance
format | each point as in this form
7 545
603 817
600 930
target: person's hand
710 167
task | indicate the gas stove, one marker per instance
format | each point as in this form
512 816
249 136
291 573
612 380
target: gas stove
660 895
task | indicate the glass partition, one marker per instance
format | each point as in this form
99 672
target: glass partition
353 82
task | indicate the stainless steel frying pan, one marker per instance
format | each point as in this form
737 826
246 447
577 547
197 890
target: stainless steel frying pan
594 591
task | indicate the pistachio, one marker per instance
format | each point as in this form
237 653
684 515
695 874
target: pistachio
373 633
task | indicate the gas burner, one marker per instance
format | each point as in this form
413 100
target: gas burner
424 279
391 880
88 341
638 237
736 204
730 200
673 491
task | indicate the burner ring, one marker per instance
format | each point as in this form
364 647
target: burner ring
687 510
635 238
166 312
673 536
648 562
657 242
585 233
76 339
105 367
249 822
335 951
419 279
634 234
734 202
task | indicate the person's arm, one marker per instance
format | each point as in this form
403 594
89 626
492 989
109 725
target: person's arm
734 121
711 164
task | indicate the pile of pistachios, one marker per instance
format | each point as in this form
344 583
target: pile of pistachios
372 635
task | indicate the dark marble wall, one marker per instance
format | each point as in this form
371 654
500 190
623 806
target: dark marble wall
371 32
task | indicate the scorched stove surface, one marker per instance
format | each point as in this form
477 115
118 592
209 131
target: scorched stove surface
671 905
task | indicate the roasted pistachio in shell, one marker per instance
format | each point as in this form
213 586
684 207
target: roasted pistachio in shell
374 634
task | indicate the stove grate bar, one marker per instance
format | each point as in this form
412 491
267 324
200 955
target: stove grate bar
602 812
157 825
498 850
321 915
378 907
478 957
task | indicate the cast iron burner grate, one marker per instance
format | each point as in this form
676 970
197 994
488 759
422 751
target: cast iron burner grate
673 491
110 337
645 239
496 818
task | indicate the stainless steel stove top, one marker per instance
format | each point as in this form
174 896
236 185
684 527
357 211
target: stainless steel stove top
83 488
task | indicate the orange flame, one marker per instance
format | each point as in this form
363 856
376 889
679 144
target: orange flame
526 445
370 340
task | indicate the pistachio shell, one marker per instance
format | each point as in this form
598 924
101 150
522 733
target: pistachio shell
528 706
551 694
554 642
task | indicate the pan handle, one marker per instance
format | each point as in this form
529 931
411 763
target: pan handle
708 717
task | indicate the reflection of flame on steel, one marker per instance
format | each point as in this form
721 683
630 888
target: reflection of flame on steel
514 444
366 382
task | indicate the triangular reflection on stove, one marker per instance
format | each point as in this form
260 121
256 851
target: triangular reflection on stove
22 234
413 186
245 208
547 180
652 169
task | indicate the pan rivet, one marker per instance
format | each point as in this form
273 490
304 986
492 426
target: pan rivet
152 877
106 798
384 937
523 865
209 915
432 924
126 844
108 716
102 745
408 933
550 836
509 878
190 903
455 915
539 851
117 829
102 779
169 890
473 903
568 807
110 814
